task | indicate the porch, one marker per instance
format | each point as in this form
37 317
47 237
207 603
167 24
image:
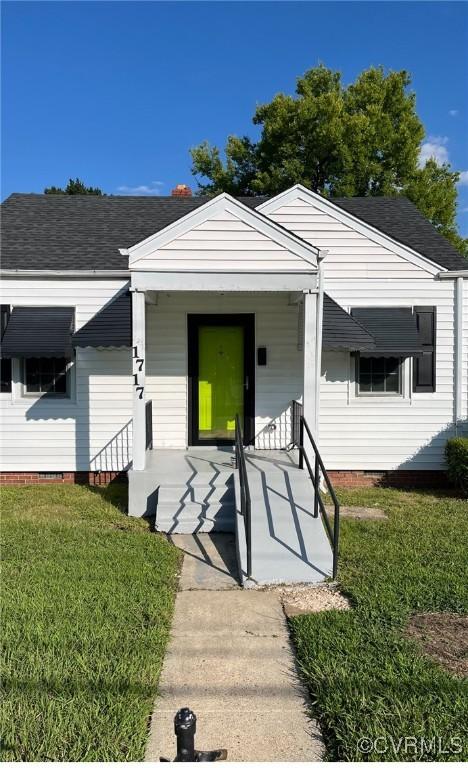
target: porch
226 331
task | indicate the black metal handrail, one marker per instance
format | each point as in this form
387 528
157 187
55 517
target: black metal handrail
245 503
149 425
299 426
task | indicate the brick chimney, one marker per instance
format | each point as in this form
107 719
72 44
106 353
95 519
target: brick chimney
181 190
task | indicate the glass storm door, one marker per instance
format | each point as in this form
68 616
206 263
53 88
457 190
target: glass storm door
221 377
220 380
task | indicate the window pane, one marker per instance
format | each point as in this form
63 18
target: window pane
379 374
365 383
378 365
392 365
5 375
378 382
32 374
365 364
46 375
392 383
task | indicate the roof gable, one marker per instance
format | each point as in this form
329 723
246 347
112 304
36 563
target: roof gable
392 223
224 235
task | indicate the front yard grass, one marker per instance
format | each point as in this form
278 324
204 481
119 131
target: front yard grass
87 599
367 680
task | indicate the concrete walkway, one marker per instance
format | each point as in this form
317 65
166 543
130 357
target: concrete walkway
230 660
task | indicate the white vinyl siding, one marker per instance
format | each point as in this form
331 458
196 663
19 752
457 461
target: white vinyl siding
397 432
406 432
346 247
277 383
222 243
88 431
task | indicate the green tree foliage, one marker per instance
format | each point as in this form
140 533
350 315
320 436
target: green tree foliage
356 140
74 187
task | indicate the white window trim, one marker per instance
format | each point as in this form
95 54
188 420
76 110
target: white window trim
383 395
404 397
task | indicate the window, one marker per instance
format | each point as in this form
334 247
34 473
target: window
379 375
46 375
424 372
5 365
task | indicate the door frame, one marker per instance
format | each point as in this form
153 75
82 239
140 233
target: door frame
247 322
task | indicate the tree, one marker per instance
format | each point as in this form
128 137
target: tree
361 139
74 187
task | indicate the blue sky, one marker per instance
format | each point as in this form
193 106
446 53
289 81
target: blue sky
117 92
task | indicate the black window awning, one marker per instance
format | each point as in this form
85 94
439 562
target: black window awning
39 332
341 331
394 329
111 327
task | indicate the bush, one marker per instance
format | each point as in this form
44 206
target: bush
456 454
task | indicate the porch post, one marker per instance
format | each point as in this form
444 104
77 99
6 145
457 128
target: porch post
139 354
310 359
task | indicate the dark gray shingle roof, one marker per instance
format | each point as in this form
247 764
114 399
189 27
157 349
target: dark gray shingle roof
85 231
399 218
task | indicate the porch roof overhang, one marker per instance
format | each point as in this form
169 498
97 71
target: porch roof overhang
158 280
223 245
394 329
38 332
112 327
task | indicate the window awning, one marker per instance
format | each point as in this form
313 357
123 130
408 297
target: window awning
341 331
111 327
394 329
39 332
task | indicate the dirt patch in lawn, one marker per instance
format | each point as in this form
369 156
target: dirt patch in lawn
304 598
360 513
443 637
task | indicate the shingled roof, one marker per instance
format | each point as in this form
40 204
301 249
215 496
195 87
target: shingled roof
85 232
399 218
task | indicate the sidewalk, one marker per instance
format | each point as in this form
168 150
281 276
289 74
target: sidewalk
229 659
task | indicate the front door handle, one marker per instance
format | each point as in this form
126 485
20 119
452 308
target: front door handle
247 383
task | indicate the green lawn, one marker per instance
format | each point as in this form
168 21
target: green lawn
87 603
364 677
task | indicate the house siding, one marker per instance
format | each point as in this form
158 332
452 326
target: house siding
385 433
222 243
91 430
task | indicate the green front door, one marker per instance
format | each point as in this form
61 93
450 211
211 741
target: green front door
220 380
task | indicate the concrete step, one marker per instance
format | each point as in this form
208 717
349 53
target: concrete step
215 478
195 518
200 494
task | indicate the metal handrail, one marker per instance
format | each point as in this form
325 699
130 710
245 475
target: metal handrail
299 424
245 503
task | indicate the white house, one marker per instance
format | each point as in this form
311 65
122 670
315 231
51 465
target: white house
136 323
